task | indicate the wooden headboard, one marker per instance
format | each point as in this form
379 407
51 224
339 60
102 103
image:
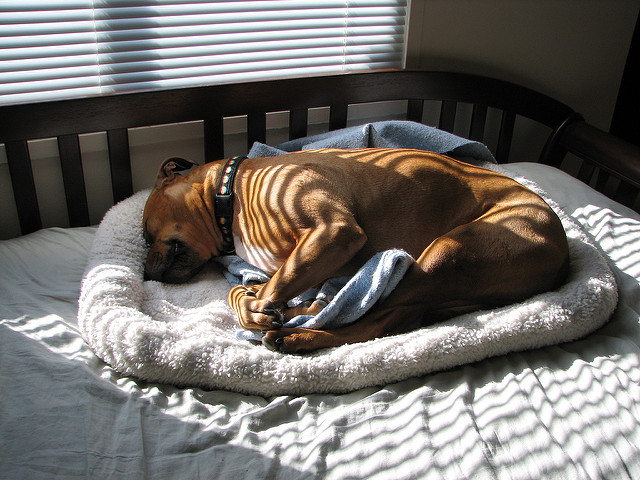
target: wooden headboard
611 165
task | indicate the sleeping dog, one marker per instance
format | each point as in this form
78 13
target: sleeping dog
479 239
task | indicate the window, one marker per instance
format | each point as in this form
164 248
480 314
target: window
52 49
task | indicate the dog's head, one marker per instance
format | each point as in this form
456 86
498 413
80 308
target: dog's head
177 226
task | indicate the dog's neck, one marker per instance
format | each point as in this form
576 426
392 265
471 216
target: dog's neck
224 203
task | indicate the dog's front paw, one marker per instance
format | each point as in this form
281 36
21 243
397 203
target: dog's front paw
295 340
254 313
309 307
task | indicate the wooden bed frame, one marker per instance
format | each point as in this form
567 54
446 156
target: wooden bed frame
609 164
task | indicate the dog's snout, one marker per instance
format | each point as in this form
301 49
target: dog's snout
152 275
175 264
154 267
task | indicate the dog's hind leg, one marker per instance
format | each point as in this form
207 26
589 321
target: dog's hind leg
505 256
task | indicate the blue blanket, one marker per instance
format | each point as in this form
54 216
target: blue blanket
349 298
389 134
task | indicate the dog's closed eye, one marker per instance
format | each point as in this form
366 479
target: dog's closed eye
178 248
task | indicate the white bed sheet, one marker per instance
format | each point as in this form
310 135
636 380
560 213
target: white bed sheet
567 411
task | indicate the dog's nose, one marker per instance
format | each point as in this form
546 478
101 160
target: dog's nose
154 268
148 276
155 274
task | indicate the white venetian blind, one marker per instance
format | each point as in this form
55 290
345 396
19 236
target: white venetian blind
51 49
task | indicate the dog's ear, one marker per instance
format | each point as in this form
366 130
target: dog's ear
169 166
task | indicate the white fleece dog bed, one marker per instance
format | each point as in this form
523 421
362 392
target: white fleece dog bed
186 334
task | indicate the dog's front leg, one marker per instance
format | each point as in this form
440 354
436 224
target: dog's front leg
319 253
252 312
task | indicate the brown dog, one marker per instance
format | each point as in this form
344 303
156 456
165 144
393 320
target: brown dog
480 239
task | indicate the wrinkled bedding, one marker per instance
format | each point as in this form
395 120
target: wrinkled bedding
565 411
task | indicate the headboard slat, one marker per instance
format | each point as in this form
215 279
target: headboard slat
602 181
505 137
448 115
415 109
24 189
213 138
585 174
120 163
478 122
298 118
73 178
256 128
338 116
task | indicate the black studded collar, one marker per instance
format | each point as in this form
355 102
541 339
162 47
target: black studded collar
224 203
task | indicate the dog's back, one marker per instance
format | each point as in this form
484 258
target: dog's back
401 198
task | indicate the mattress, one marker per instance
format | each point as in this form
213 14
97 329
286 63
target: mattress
564 411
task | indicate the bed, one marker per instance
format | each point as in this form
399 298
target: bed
566 410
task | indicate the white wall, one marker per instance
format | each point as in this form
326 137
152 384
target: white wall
572 50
